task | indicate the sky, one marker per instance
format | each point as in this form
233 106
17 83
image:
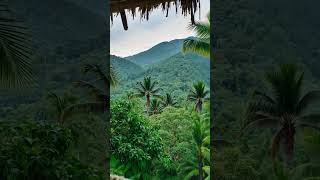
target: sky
143 34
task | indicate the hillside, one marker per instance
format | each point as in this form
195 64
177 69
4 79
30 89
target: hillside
124 68
157 53
174 74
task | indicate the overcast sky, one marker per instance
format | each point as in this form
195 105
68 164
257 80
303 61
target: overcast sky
143 34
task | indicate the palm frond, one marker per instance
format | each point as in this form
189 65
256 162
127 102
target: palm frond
94 91
196 46
191 174
264 96
308 125
106 77
304 170
56 101
310 118
261 123
15 54
307 100
202 29
96 107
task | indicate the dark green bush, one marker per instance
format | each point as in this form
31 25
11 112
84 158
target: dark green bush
39 151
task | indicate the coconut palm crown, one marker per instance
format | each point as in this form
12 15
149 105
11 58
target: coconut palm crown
198 94
147 88
168 100
284 107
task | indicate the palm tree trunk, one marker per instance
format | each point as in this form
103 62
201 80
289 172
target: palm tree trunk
200 164
288 148
198 107
148 101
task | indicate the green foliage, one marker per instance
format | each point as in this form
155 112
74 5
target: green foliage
134 143
200 45
175 126
185 135
125 68
168 100
31 150
253 37
174 74
232 164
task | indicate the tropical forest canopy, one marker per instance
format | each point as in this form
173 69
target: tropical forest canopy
254 38
154 91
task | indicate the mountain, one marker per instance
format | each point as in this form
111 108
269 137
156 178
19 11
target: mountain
125 68
157 53
175 74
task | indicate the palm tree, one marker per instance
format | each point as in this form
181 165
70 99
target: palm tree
198 95
60 104
199 166
15 51
147 88
168 100
200 45
155 107
99 96
201 137
100 102
284 108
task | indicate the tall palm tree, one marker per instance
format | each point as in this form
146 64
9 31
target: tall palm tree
201 137
15 51
147 88
168 100
285 108
200 45
100 100
198 94
199 166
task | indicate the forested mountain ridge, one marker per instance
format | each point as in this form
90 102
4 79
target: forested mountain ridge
176 73
157 53
125 69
